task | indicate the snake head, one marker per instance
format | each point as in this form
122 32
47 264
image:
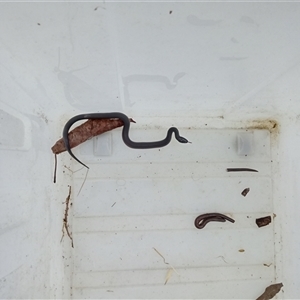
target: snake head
181 139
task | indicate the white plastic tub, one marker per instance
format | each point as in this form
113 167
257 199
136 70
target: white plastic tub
225 74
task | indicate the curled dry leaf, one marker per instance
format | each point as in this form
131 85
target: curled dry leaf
260 222
87 130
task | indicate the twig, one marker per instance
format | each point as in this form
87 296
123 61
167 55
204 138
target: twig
73 171
87 171
65 220
169 274
160 256
55 167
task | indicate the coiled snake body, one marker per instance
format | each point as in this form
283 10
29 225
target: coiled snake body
125 132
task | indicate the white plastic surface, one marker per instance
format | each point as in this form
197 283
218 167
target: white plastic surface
226 74
245 143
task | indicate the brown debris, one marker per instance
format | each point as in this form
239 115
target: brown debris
245 192
65 220
260 222
268 265
270 291
87 130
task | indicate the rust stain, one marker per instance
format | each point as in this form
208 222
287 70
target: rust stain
268 124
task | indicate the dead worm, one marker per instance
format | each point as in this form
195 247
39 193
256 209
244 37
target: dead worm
202 220
241 170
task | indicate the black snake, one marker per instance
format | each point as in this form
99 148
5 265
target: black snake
125 132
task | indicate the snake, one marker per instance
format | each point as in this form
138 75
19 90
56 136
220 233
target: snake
125 133
202 220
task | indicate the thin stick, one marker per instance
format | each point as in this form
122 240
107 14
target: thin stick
165 260
86 174
73 171
55 167
160 256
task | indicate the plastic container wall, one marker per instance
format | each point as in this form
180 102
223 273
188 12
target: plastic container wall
196 66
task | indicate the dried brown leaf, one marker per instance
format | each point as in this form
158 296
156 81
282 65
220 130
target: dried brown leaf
270 291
